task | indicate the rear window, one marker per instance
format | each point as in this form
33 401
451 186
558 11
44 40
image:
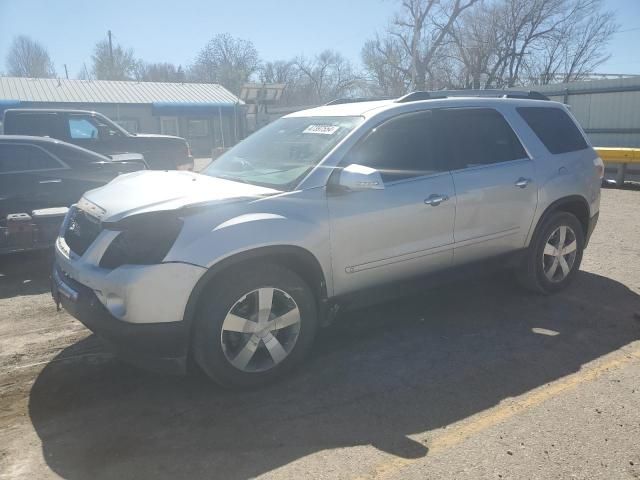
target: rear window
554 128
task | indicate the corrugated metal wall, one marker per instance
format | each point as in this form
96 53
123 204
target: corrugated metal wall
608 110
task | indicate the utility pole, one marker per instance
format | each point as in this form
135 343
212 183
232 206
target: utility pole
110 51
66 72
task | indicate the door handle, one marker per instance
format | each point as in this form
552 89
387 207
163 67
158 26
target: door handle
53 180
435 199
523 182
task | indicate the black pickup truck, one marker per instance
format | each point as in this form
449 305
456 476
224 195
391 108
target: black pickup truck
94 131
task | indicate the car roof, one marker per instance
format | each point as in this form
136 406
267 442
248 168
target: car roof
48 110
31 138
371 108
342 109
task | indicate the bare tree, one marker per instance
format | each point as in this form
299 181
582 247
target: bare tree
327 76
278 71
159 72
226 60
416 37
28 58
476 45
386 66
113 63
513 42
577 48
286 72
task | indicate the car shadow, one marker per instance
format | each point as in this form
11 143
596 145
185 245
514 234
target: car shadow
25 273
376 377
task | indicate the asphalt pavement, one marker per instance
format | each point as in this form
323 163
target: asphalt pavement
473 380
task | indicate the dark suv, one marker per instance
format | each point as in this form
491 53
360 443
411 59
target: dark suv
39 178
94 131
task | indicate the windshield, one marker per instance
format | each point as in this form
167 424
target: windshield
282 153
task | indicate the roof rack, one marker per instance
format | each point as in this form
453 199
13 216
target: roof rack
340 101
492 93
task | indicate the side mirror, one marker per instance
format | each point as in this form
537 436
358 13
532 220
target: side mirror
358 177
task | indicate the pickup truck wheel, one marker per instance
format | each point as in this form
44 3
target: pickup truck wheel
255 325
554 255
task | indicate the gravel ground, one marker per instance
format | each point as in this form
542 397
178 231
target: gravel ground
473 380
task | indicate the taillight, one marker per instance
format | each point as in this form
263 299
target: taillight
599 165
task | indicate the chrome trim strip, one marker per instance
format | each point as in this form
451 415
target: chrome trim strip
399 258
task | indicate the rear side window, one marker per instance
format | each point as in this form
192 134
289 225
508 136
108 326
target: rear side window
400 148
554 128
20 158
36 124
478 136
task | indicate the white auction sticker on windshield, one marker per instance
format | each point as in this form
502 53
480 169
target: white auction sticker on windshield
322 129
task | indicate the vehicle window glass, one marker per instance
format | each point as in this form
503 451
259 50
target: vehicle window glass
479 136
18 158
75 156
400 148
554 128
37 124
82 127
280 154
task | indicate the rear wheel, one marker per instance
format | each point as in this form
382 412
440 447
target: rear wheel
257 323
555 254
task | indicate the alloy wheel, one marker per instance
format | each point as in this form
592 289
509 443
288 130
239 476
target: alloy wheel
260 330
559 254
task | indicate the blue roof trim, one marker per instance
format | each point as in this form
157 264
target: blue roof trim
191 109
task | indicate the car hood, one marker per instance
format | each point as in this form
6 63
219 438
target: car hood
150 191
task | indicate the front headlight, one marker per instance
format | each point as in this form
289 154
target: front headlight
143 239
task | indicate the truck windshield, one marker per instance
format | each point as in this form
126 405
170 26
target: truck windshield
282 153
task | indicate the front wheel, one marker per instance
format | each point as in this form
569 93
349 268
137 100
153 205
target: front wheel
255 325
555 254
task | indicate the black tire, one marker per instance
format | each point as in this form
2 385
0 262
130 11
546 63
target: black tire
531 273
208 347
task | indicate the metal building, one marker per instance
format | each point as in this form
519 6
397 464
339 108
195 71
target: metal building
207 115
608 110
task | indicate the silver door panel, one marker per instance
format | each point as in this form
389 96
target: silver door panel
379 236
495 208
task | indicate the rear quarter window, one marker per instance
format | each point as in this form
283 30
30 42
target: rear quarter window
555 129
37 124
24 158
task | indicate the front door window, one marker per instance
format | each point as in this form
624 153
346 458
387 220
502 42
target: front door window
81 128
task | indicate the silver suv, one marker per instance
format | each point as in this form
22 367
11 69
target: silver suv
235 268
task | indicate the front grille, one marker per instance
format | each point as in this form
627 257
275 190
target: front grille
81 230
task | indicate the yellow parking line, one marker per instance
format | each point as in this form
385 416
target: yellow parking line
500 413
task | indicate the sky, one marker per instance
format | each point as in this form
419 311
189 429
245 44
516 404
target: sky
174 31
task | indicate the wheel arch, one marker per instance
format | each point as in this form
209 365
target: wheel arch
297 259
574 204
